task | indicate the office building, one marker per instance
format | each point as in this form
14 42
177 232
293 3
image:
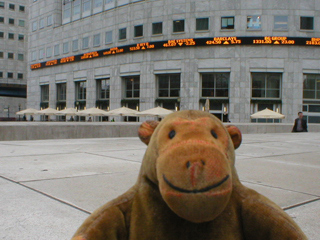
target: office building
13 57
242 55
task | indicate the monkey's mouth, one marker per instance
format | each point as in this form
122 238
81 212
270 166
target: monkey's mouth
202 190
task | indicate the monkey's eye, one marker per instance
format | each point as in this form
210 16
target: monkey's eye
172 133
213 133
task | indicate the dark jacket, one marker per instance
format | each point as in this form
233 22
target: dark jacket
303 123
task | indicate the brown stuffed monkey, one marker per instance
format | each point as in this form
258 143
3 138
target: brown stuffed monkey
188 189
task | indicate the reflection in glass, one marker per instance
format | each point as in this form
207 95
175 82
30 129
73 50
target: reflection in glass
254 22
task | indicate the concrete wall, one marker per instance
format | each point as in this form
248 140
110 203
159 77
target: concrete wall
62 130
12 131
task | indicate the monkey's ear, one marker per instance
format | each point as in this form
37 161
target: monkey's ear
235 135
146 130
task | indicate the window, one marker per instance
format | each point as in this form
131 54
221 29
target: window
138 31
1 19
168 91
56 50
33 55
227 23
10 55
49 52
44 93
1 34
108 37
1 54
20 75
1 74
11 21
156 28
266 85
97 3
21 8
215 85
10 35
254 22
11 6
10 75
132 87
306 23
21 37
109 4
311 86
65 47
96 40
66 12
75 45
34 26
41 23
61 92
1 4
103 93
169 85
122 33
21 23
97 6
178 26
41 53
81 90
103 88
20 56
86 8
280 23
85 42
49 20
76 9
202 24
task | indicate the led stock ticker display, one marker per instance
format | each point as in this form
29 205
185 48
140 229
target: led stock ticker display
178 43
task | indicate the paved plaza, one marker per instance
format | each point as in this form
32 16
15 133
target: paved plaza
49 187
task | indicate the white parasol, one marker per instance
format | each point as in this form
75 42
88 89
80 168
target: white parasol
267 113
67 112
156 112
28 111
123 111
92 112
47 111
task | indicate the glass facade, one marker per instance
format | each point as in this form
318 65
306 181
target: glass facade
311 97
81 90
169 85
44 93
306 23
280 23
202 24
138 31
132 87
122 34
103 87
61 92
266 85
156 28
169 91
61 96
215 85
178 26
254 22
227 23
